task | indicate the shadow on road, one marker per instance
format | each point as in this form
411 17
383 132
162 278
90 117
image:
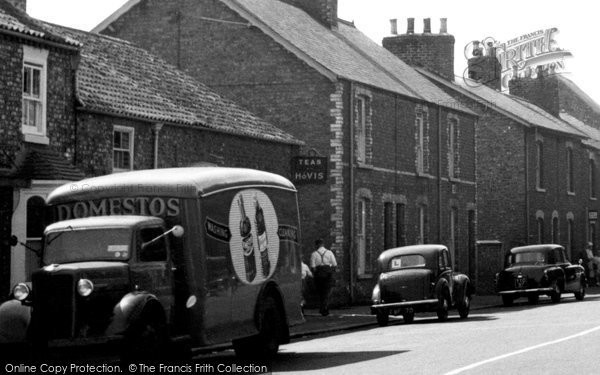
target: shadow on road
291 361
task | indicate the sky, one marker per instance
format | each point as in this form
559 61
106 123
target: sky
467 21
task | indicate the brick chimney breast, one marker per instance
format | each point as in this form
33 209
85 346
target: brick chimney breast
19 4
324 11
435 52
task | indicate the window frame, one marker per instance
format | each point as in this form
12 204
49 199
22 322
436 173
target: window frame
592 177
570 171
131 131
361 129
539 167
35 59
420 143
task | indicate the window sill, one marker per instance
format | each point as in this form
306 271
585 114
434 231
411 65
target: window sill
425 175
571 193
364 166
540 190
593 198
36 138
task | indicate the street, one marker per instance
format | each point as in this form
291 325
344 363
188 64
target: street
522 339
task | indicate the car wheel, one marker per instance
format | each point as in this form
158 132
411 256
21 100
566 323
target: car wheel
580 294
555 294
383 318
507 300
409 316
464 307
442 310
533 299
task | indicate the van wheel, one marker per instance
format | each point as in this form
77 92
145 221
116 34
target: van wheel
409 316
507 300
533 299
580 293
146 339
266 343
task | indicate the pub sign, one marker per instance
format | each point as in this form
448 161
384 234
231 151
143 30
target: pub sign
309 170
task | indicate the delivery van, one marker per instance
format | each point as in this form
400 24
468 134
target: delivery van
161 258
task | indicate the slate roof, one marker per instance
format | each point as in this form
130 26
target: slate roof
40 162
516 108
16 21
576 90
592 133
346 52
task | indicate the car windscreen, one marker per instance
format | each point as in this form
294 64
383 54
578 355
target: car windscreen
103 244
407 261
529 257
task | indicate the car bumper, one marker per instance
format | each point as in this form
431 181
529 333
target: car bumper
401 305
517 292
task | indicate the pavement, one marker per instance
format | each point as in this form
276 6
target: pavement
354 317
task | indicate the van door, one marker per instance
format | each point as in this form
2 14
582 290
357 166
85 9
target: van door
151 270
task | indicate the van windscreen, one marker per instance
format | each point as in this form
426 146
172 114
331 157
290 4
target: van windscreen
103 244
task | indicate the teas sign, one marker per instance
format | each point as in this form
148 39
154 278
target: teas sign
309 170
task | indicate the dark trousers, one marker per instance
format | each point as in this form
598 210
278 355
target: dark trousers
323 286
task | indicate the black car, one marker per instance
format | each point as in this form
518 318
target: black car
419 278
537 270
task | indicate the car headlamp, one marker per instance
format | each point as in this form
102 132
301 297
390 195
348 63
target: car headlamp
21 292
85 287
375 297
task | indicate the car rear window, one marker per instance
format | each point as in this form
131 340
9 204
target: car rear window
406 261
530 257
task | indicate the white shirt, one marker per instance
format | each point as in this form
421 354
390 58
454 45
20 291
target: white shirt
327 259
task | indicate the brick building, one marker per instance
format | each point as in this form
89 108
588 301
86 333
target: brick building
400 152
533 178
77 104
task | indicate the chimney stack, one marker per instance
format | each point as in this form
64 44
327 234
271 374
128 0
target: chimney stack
394 26
410 29
443 26
324 11
19 4
427 26
435 52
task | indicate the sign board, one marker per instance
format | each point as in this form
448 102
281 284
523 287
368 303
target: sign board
309 170
592 215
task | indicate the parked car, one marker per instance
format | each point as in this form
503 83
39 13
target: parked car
419 278
535 270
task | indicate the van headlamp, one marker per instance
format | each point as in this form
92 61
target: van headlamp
21 292
85 287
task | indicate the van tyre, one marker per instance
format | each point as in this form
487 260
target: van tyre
507 300
266 343
146 339
555 294
409 316
580 293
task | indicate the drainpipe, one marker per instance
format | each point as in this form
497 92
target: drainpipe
157 127
439 175
527 208
351 252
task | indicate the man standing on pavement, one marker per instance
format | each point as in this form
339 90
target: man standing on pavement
323 264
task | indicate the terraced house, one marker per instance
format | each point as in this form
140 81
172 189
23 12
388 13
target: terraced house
536 173
76 104
399 151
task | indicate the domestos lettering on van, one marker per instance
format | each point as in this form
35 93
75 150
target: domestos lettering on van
254 243
155 206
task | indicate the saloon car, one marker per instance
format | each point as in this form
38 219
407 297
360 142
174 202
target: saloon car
419 278
535 270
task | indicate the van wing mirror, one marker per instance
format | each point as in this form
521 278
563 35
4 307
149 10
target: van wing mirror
177 231
14 241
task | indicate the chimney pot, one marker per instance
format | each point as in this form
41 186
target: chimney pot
394 26
411 26
443 25
427 26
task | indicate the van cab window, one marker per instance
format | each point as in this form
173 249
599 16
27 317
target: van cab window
152 251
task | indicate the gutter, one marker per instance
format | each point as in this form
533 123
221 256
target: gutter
439 179
39 40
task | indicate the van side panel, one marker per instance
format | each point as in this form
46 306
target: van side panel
251 238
